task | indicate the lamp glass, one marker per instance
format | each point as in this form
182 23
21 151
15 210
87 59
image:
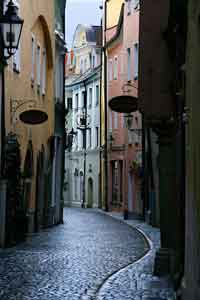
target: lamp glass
11 25
11 34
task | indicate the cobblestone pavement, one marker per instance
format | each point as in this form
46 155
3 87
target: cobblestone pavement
136 281
71 261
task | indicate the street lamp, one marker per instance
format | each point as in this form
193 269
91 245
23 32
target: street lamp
11 27
10 32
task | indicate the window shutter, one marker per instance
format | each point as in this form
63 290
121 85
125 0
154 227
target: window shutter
44 72
136 57
16 61
110 70
129 64
38 65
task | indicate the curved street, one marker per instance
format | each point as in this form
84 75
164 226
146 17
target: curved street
71 261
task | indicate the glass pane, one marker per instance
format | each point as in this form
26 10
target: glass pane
11 34
6 35
16 29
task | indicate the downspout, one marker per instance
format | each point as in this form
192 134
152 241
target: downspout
84 146
2 65
63 133
3 186
100 102
106 114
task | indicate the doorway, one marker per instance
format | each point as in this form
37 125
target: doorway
130 192
90 193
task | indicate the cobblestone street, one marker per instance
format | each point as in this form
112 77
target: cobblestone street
71 261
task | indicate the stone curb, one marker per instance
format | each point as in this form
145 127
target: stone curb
151 287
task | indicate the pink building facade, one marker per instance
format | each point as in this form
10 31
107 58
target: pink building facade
124 133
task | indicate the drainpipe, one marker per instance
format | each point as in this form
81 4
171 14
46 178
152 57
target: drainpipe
63 135
2 141
106 113
84 147
100 152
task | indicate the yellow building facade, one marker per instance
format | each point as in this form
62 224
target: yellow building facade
29 83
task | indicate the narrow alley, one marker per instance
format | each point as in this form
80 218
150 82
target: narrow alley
65 262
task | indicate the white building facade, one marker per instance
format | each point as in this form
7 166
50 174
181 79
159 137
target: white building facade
82 156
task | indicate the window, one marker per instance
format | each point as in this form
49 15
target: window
136 4
44 66
69 104
115 68
110 119
122 64
93 61
110 71
81 67
82 139
129 64
89 138
38 65
115 120
85 64
115 177
90 97
76 101
97 136
90 60
97 95
129 7
82 99
136 58
32 58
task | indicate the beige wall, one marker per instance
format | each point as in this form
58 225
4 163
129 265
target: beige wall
113 12
19 87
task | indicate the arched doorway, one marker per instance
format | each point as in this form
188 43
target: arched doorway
90 193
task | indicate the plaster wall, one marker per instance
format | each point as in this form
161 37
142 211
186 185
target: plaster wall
38 20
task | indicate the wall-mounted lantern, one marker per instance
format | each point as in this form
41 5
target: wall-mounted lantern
11 26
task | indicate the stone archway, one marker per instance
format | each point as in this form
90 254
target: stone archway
47 36
90 201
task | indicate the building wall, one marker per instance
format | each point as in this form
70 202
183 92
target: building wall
113 12
123 148
191 286
75 159
156 70
38 21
